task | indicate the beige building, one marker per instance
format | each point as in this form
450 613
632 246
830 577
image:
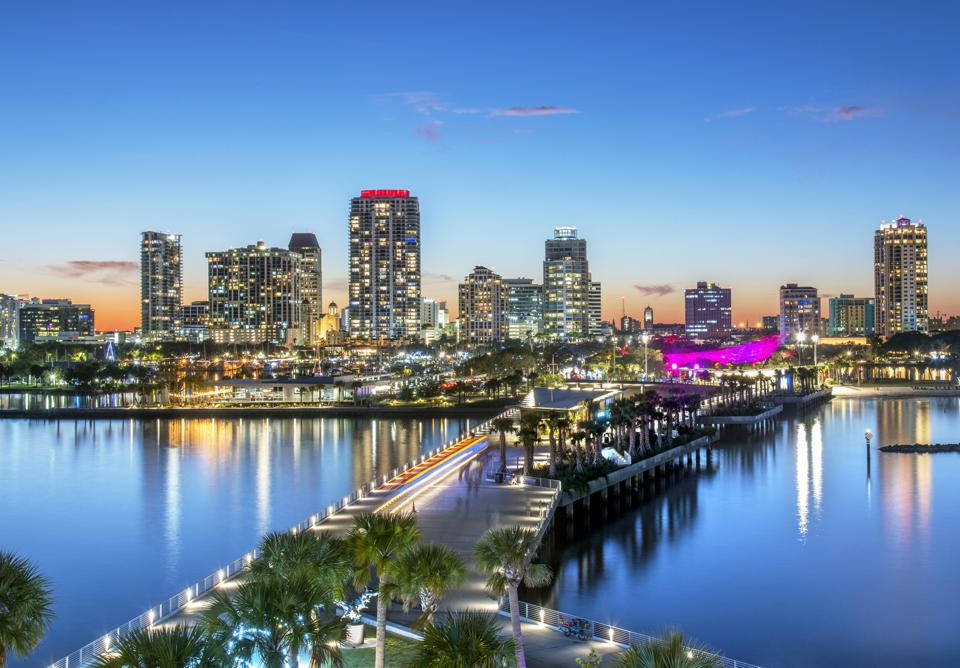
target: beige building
900 277
483 307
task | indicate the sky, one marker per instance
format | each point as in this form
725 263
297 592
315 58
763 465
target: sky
749 144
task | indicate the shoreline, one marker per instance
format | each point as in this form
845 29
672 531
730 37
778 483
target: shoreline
894 391
146 413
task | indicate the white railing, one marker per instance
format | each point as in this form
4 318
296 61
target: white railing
89 652
600 631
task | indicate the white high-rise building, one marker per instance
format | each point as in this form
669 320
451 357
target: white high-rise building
483 307
384 230
311 285
566 285
161 284
900 277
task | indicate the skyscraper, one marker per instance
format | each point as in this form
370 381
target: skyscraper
9 311
254 295
311 285
799 310
566 285
900 277
384 265
850 316
648 318
707 309
161 284
595 309
483 307
524 308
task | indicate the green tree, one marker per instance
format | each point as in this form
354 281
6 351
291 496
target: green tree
375 542
504 556
179 646
26 606
467 639
663 652
319 558
273 620
425 574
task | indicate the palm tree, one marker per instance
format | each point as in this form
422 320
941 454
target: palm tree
551 423
26 606
256 620
529 434
577 438
178 646
425 573
503 425
504 556
376 541
464 639
666 651
315 557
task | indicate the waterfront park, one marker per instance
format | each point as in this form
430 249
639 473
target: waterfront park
460 554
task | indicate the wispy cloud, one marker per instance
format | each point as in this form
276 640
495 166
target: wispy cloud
658 290
424 101
734 113
851 112
105 272
438 278
430 131
542 110
829 114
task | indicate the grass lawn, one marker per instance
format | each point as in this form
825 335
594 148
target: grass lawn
401 653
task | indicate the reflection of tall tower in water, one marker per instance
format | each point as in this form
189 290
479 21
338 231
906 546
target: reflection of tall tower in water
906 480
162 493
808 455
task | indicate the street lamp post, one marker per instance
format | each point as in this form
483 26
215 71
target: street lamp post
816 339
801 337
646 339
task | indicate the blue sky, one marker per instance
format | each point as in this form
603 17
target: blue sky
746 143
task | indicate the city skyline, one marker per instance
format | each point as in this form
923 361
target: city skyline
676 164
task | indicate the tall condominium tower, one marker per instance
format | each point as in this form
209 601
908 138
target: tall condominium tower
483 307
799 310
254 295
566 285
900 277
384 265
648 318
311 285
161 284
707 309
524 308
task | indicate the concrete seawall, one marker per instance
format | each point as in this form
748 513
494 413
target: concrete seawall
895 391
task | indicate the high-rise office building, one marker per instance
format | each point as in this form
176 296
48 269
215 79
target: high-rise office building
161 284
900 277
648 317
254 295
483 307
311 285
384 265
54 320
566 285
524 308
799 310
850 316
707 308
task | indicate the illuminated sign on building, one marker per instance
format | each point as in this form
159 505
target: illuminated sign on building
384 193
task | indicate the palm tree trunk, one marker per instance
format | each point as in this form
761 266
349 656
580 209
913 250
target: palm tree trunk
515 623
382 604
503 451
553 454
